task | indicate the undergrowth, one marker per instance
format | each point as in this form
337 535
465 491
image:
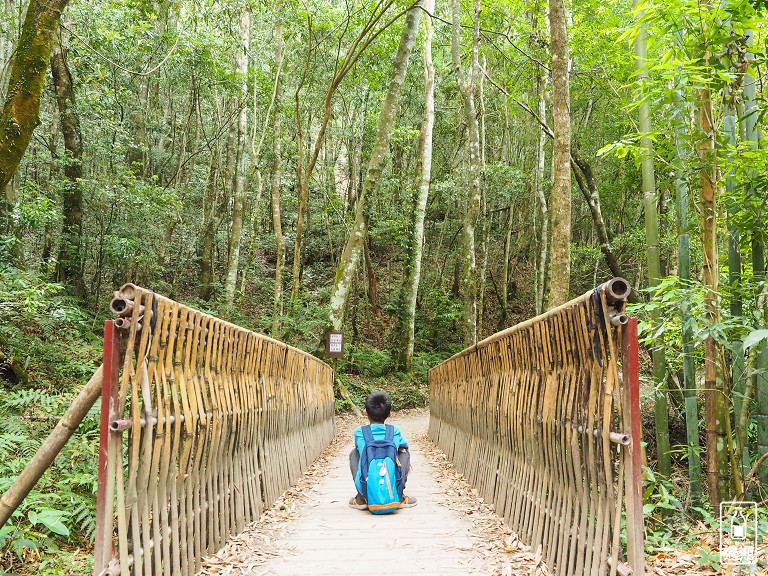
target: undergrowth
672 523
52 343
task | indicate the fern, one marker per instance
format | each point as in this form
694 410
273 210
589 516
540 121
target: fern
10 444
14 425
29 398
84 520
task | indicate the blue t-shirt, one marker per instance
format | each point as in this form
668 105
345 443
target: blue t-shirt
378 431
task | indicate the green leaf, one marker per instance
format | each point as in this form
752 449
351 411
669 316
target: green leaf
51 519
754 337
648 508
4 532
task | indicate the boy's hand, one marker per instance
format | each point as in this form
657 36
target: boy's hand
402 449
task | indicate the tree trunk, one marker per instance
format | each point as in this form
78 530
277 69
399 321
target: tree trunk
760 375
505 271
235 232
423 177
22 101
561 158
256 144
69 267
661 416
682 159
717 445
737 363
585 179
211 223
485 229
345 271
467 88
587 184
760 370
276 220
542 263
304 172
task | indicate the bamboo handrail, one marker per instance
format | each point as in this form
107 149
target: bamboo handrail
209 423
538 417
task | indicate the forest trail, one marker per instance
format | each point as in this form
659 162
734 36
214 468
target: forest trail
312 530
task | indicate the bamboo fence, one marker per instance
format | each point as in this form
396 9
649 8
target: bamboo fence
540 418
205 424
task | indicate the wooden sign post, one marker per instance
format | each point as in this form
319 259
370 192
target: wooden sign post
334 345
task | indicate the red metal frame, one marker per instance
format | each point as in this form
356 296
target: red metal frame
109 387
631 394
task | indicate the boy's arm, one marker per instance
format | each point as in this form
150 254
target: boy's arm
359 439
400 441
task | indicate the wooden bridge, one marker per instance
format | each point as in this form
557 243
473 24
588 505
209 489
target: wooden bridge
205 425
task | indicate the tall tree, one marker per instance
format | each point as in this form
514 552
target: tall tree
238 180
276 219
560 267
682 157
760 373
467 87
368 33
25 85
69 266
423 176
717 447
353 247
661 416
542 259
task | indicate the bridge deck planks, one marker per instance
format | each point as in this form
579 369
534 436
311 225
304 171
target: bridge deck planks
329 538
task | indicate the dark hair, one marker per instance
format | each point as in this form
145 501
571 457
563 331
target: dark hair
378 405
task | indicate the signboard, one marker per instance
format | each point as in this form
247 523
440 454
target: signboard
334 345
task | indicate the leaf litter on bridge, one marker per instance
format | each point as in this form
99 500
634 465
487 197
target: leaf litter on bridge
495 548
256 545
503 553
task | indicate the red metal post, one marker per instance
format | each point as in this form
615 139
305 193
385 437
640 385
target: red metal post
104 524
633 467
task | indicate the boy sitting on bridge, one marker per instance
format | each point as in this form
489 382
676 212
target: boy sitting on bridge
387 449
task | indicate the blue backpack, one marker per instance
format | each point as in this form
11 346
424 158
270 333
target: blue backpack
381 475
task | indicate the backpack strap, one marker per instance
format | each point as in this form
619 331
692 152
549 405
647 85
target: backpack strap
367 434
389 435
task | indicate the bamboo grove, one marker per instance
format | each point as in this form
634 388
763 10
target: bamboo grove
418 175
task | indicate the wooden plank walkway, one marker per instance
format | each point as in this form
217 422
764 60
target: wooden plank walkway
322 536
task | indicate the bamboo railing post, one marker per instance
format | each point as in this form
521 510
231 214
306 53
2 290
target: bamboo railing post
633 469
102 545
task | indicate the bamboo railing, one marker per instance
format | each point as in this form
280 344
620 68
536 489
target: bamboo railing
543 419
204 424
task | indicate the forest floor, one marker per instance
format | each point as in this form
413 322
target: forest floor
450 531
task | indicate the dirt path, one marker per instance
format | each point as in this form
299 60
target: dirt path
312 531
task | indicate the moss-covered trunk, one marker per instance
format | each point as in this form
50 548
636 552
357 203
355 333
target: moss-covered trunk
467 87
28 71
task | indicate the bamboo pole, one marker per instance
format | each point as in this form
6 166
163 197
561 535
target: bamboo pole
48 451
